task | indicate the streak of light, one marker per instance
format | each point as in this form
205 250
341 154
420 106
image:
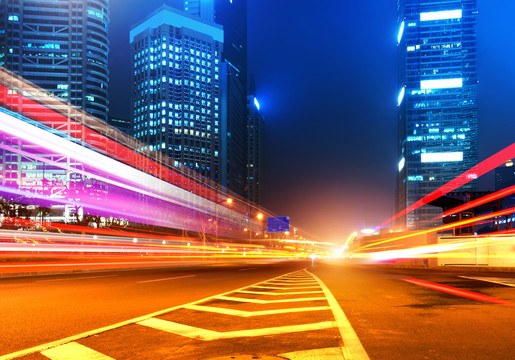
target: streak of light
480 169
483 200
445 227
459 292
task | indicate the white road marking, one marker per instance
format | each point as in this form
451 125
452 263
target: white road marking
247 269
290 284
274 293
259 301
353 349
74 351
77 278
111 327
285 288
165 279
203 334
295 281
243 313
495 280
316 354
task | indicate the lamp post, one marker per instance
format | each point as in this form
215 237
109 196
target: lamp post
228 201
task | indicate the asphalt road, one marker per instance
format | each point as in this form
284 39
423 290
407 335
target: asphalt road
396 314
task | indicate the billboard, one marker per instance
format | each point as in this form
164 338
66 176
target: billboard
278 224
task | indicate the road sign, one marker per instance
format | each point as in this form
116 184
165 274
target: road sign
278 224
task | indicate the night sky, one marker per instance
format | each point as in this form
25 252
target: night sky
326 77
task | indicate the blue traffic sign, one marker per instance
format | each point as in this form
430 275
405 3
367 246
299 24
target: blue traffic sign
278 224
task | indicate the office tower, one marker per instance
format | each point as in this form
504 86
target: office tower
176 89
232 15
504 176
204 9
255 152
438 118
61 46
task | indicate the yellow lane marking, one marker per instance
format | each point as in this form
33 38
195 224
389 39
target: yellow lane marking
203 334
115 326
353 349
335 353
243 313
285 293
259 301
284 287
74 351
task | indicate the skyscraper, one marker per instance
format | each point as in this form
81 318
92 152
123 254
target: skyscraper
232 15
61 46
176 89
255 151
437 101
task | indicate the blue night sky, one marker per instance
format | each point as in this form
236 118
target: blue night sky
326 76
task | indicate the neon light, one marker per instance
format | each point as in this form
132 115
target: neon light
441 84
401 31
256 103
441 15
442 157
401 96
401 164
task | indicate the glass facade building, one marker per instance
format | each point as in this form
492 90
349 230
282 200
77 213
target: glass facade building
176 94
232 15
437 101
255 155
61 46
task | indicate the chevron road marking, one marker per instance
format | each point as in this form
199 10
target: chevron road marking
203 334
294 282
326 354
286 293
259 301
285 288
74 351
291 284
243 313
83 335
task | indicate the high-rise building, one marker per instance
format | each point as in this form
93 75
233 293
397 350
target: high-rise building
437 101
61 46
504 176
232 15
255 151
176 89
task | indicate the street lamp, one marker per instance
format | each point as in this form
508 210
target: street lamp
228 201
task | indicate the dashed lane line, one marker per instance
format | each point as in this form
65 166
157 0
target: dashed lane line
74 351
353 350
259 301
243 313
77 278
203 334
165 279
274 293
83 335
246 269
